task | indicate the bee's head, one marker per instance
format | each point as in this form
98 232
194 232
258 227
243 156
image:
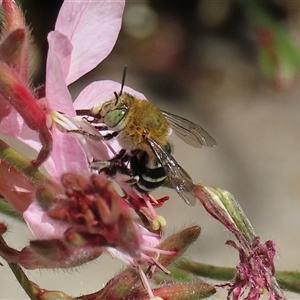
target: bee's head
113 112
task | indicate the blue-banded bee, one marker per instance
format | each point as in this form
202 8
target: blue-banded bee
142 130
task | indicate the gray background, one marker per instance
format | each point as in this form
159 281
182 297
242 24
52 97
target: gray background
256 159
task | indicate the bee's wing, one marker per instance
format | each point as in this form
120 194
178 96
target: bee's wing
189 132
177 176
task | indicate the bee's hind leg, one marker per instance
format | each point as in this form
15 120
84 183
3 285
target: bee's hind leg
116 168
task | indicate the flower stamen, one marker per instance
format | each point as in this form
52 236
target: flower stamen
145 282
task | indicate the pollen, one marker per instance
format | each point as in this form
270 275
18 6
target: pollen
158 222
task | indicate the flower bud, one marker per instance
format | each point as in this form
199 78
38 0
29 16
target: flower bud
15 39
123 285
46 194
53 295
178 243
185 291
13 16
12 46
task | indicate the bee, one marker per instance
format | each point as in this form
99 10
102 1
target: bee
142 131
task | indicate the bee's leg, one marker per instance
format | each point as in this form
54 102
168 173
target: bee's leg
109 136
83 112
95 137
101 127
120 158
117 168
87 134
121 173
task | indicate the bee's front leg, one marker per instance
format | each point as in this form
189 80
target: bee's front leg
87 134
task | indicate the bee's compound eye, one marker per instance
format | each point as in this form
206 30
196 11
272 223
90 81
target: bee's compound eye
114 117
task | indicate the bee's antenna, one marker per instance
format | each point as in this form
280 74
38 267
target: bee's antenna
117 97
123 80
122 85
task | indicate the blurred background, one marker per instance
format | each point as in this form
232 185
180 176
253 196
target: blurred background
231 67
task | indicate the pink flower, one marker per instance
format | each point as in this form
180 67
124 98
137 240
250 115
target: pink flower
69 57
85 33
75 221
256 270
98 25
89 207
80 218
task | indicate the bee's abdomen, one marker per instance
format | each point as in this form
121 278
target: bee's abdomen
151 179
151 173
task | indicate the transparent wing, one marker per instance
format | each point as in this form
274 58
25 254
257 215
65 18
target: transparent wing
189 132
177 176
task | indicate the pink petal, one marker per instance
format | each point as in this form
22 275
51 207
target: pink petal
41 225
30 138
12 124
92 27
125 258
61 48
67 156
101 91
96 150
58 64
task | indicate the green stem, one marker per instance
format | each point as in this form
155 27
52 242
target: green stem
28 287
21 163
23 280
204 270
287 279
7 209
